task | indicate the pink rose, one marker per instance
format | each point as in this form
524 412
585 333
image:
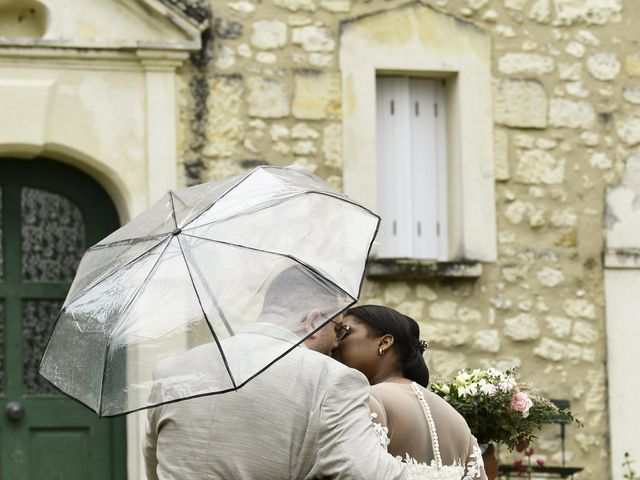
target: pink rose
522 403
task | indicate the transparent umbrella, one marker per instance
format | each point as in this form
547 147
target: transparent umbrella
200 266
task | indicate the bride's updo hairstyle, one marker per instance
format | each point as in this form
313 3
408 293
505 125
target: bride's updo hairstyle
406 338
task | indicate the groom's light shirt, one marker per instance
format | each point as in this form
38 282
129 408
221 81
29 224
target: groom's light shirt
305 417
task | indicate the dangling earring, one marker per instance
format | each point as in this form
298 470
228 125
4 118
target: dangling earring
381 351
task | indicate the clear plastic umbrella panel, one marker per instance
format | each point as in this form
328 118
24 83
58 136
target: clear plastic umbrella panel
156 310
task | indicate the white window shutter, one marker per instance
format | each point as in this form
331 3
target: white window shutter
412 168
424 142
394 167
442 190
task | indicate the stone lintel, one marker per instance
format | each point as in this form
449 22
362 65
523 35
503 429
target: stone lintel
414 269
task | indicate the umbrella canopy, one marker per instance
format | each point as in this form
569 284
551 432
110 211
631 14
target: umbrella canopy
200 266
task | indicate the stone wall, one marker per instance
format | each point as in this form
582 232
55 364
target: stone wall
566 95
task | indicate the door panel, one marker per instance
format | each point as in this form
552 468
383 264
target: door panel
49 214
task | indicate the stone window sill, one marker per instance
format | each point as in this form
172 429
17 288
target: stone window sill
414 269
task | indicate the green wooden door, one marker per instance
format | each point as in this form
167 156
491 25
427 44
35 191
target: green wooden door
49 214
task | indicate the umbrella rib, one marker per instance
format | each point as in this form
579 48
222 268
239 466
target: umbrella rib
208 290
119 322
206 317
173 210
244 213
280 202
126 241
222 196
291 257
115 271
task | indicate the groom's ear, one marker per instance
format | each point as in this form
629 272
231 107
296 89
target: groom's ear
311 321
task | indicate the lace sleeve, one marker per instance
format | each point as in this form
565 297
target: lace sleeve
475 464
382 432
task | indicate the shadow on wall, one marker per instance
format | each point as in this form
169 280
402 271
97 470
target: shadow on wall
23 19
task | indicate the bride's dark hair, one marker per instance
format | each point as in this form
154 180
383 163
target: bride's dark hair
406 338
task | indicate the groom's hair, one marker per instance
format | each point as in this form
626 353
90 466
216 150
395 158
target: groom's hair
299 289
406 338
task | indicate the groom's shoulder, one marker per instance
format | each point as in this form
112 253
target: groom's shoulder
323 366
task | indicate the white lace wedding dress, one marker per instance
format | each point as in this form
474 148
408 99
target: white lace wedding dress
435 470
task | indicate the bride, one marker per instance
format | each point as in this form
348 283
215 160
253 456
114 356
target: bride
417 425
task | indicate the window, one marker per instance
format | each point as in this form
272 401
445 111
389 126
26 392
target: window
433 171
411 160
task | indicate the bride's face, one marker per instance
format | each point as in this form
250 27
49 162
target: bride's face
359 349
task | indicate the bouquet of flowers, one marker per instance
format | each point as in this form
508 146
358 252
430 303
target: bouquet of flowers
499 409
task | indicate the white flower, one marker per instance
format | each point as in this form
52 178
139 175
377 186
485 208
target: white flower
464 391
488 388
508 384
462 377
494 372
469 390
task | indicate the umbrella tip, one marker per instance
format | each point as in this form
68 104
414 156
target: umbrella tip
176 231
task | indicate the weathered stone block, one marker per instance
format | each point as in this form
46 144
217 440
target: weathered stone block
268 97
584 332
446 335
336 6
268 58
516 211
592 12
539 167
465 314
224 28
445 363
570 71
501 155
314 39
316 95
414 309
295 5
443 310
321 59
550 350
224 129
396 293
304 147
425 293
628 129
632 64
631 93
517 63
269 34
570 114
580 308
564 218
332 145
522 328
520 103
540 11
603 66
303 131
512 272
577 89
550 277
487 341
560 326
576 49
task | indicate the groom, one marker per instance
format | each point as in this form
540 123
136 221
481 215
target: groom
305 417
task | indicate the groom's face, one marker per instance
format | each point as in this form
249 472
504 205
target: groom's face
324 340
